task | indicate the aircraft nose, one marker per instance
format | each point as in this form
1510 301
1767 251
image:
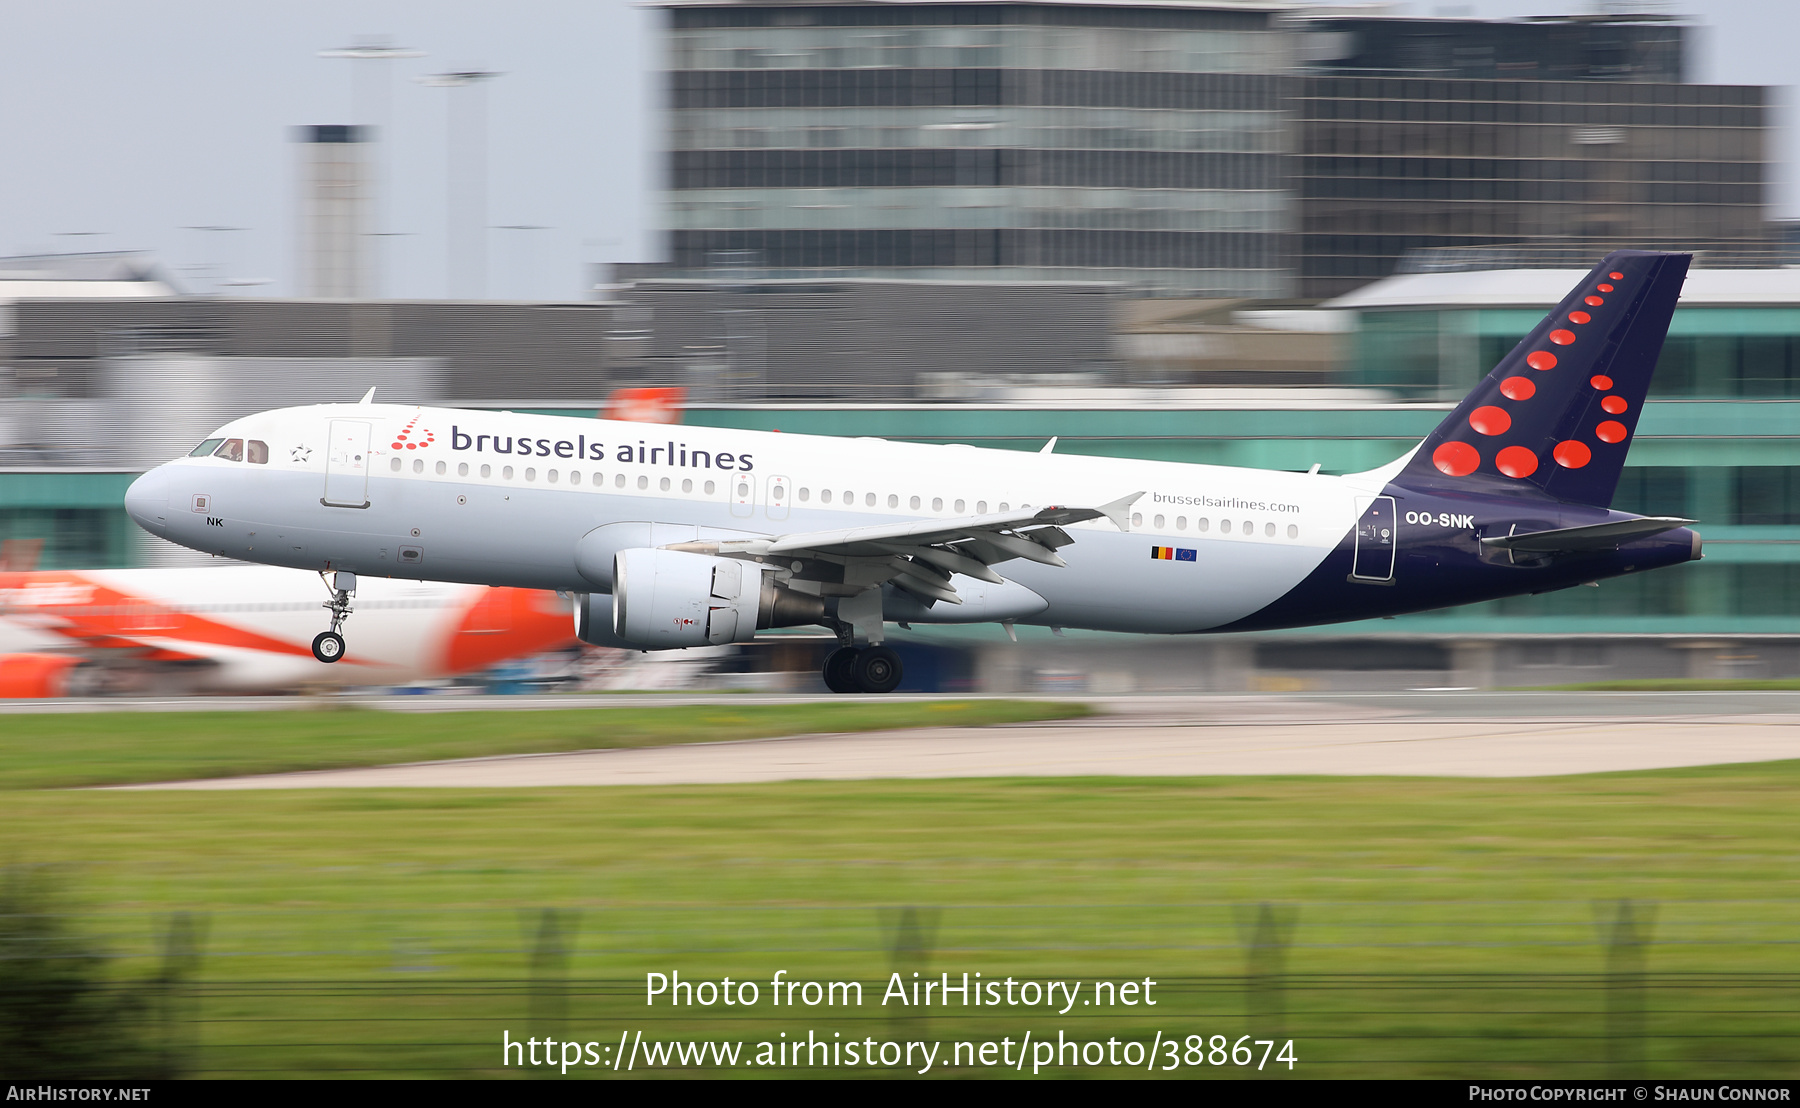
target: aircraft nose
147 500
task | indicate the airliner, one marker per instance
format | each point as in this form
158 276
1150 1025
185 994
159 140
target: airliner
244 628
672 537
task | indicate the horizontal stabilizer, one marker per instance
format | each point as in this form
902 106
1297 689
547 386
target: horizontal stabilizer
1599 536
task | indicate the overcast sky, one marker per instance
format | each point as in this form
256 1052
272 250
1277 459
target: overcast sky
125 122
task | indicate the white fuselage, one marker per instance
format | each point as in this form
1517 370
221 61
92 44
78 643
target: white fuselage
500 498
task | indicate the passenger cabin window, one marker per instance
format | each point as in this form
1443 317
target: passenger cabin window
233 450
258 452
824 496
394 464
805 495
487 471
418 465
205 448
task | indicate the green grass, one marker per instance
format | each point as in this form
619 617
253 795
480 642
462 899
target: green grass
1441 927
74 749
1675 684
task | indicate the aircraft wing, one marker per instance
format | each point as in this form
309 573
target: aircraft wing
1598 536
921 555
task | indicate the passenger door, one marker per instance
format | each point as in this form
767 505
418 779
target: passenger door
1377 537
347 465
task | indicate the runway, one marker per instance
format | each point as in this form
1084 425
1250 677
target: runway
1429 735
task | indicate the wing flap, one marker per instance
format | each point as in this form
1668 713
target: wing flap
934 532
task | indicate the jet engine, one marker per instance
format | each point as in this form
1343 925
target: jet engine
667 599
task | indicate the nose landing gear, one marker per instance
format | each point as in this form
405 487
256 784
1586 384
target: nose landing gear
328 646
871 669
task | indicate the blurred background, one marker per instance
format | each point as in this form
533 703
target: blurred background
1244 233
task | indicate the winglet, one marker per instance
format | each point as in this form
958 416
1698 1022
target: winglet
1049 447
1119 511
369 397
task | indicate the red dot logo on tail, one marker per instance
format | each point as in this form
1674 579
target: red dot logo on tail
1490 420
1614 405
1561 337
1571 454
1541 360
1516 462
1458 459
1518 388
1610 431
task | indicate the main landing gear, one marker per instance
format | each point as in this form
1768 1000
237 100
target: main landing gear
869 669
328 646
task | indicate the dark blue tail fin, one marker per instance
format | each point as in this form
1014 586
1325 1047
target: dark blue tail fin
1559 411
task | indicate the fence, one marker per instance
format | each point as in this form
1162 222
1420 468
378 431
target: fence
1677 989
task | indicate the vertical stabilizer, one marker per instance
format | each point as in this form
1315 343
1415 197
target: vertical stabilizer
1558 413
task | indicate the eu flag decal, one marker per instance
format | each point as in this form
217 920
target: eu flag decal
1172 554
1184 555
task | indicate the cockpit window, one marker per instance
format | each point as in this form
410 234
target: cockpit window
205 448
259 452
232 451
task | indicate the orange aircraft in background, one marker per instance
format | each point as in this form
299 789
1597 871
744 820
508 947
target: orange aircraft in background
249 629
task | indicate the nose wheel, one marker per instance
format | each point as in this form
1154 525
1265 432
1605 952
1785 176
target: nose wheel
873 669
328 646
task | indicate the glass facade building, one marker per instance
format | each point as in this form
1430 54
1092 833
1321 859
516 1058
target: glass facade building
1022 141
1390 165
1203 149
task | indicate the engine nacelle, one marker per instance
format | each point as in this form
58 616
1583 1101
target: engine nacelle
669 599
594 621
